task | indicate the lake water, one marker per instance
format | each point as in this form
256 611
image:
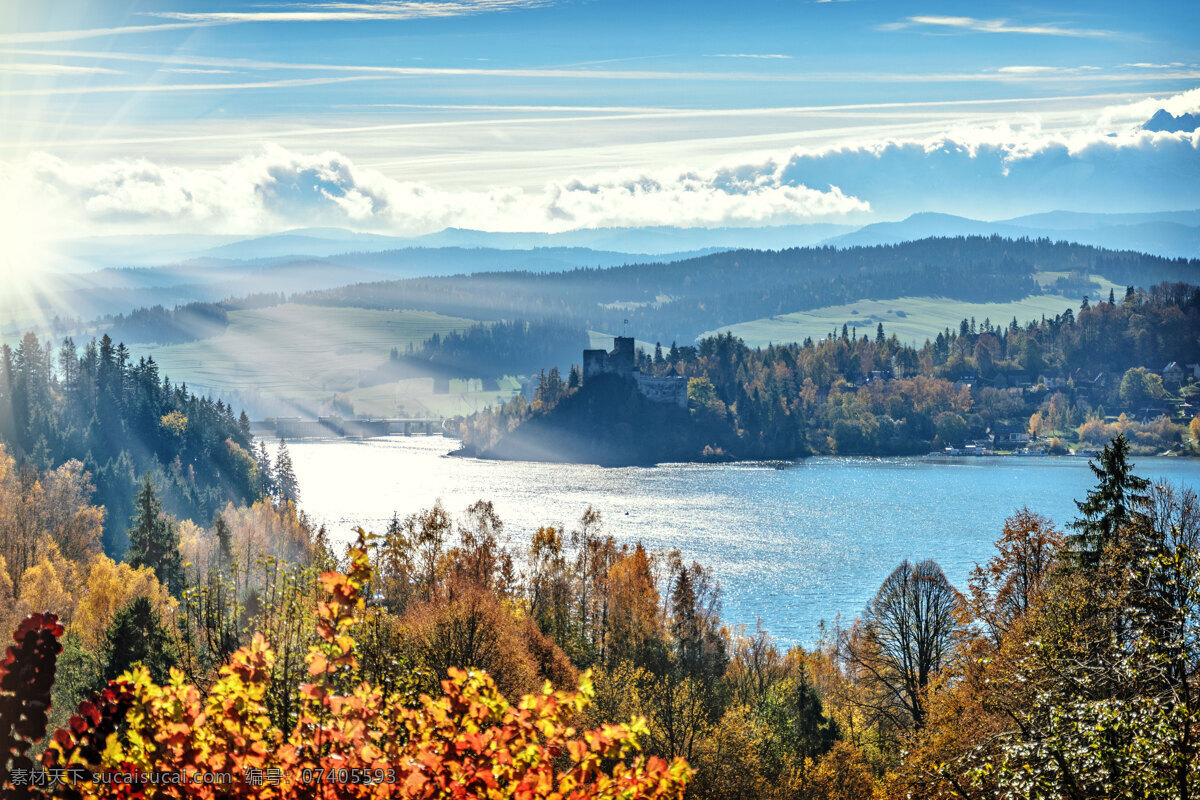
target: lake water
791 544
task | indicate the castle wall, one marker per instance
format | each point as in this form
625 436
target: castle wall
623 358
595 362
664 390
623 361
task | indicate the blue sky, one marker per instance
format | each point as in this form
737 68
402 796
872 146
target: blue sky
405 117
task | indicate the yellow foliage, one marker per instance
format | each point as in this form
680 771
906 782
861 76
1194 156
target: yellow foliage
44 586
467 741
174 423
109 588
51 509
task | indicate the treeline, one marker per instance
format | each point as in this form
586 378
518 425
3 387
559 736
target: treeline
120 419
489 350
287 671
158 325
1067 667
441 592
863 392
681 300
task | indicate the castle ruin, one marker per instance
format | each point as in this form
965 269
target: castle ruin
623 361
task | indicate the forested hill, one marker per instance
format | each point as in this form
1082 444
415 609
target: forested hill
678 301
1076 379
121 419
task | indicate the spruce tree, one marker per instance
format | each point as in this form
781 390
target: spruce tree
137 635
266 475
1109 508
286 487
224 542
154 539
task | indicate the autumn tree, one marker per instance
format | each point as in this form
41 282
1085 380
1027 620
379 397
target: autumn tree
903 640
1003 589
466 739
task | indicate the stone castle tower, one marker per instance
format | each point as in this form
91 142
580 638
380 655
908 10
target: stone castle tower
622 360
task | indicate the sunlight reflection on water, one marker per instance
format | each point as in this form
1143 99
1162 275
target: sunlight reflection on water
791 544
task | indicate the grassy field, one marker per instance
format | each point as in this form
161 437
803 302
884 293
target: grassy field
912 319
304 355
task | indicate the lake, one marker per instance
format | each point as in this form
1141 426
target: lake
792 544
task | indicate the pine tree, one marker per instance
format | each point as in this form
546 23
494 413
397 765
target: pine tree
154 539
286 487
1112 301
266 475
1109 508
224 541
137 635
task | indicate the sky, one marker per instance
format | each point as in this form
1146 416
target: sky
409 116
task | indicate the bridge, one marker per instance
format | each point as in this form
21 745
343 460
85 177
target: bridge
337 427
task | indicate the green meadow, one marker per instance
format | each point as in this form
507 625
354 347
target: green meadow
912 319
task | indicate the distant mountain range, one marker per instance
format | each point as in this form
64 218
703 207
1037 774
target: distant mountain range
117 274
1172 234
610 245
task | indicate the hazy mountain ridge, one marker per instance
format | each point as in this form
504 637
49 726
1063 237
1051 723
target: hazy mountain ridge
1173 234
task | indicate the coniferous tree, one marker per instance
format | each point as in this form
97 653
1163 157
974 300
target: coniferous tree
137 635
154 539
1109 507
286 486
224 541
266 474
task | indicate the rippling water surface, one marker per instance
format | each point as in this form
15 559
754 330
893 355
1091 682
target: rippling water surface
792 544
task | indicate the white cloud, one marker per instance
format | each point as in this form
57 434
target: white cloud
186 87
1007 171
989 26
41 37
1133 115
1103 164
1028 69
310 12
748 55
194 71
54 69
279 189
355 12
1147 65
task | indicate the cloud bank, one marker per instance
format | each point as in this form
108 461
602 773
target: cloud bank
281 189
988 173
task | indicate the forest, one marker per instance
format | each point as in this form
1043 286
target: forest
679 301
119 419
1078 378
443 656
487 351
